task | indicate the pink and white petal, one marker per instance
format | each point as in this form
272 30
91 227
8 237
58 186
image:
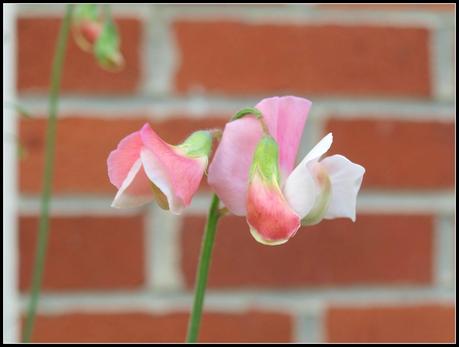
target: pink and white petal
135 189
228 173
271 220
346 178
176 175
285 117
159 177
121 160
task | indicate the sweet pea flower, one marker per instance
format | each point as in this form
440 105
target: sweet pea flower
253 173
144 168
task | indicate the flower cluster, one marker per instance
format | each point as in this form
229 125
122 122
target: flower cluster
253 171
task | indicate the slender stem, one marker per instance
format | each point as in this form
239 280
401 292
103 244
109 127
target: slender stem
203 270
48 173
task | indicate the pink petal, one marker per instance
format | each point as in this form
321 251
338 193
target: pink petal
121 160
229 169
135 189
125 173
285 117
179 176
271 220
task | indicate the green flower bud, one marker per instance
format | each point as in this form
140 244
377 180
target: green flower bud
107 47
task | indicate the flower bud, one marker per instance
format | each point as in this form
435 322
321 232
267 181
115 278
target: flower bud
107 47
271 219
86 26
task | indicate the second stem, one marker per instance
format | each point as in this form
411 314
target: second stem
203 270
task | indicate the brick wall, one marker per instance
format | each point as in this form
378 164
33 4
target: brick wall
380 77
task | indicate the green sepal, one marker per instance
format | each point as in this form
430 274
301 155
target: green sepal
322 201
247 111
107 46
198 144
266 160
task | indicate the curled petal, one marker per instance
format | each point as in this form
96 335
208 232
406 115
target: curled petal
174 174
271 220
135 189
346 178
301 188
229 170
121 160
285 117
126 173
318 150
160 182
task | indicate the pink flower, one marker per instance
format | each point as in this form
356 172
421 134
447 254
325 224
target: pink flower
253 173
144 168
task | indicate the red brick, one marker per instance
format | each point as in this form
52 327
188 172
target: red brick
251 326
83 145
398 154
377 249
425 323
85 253
236 58
36 44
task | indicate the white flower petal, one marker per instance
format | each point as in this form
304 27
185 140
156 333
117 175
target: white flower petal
301 189
346 179
318 150
127 196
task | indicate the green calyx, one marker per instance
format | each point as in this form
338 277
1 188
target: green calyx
198 144
86 12
107 47
265 160
322 201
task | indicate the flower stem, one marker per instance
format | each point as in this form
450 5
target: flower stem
203 270
48 174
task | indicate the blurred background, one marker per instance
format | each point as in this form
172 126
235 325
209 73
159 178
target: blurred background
381 78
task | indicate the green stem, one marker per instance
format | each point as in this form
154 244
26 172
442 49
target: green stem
203 270
48 174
